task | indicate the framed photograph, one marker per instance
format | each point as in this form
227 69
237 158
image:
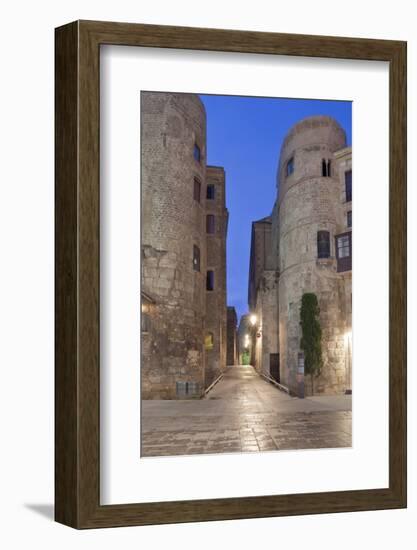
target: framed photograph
230 274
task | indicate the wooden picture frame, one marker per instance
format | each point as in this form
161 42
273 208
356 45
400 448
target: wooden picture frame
77 382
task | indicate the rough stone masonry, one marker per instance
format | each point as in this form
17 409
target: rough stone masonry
183 236
305 245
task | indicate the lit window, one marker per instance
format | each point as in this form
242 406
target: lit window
210 224
196 258
323 244
209 341
197 152
348 185
210 191
210 280
290 166
349 218
344 251
197 189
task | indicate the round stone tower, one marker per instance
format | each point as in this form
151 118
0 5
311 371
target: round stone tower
309 193
173 161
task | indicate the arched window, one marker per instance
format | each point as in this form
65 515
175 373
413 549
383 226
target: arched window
326 168
197 189
290 167
209 341
323 244
197 152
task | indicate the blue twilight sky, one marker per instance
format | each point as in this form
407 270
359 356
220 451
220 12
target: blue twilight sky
244 135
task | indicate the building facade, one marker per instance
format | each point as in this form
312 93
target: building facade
183 241
245 340
216 308
309 250
263 299
232 351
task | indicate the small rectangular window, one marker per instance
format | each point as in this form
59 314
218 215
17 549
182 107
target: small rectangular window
209 341
343 248
290 166
210 224
197 189
197 152
349 218
210 280
348 185
323 244
211 191
196 258
344 251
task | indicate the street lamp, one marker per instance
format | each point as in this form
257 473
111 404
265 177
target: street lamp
253 319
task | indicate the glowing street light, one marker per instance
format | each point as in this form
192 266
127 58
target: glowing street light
253 319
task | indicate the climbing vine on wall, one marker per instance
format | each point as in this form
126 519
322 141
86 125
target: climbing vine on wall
311 335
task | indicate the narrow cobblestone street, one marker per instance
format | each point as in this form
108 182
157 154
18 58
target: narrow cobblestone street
244 413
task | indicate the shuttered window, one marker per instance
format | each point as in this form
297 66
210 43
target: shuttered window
210 224
344 251
348 185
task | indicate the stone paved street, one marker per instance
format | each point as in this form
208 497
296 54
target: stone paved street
244 413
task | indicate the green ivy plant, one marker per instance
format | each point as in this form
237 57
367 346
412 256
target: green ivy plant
311 336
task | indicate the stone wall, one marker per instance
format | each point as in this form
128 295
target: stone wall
262 295
265 333
177 250
243 330
216 315
232 355
309 202
173 228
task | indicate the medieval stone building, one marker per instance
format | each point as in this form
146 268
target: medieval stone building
232 348
245 340
183 240
263 296
305 245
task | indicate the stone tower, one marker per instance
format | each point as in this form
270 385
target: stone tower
216 307
173 172
310 228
